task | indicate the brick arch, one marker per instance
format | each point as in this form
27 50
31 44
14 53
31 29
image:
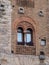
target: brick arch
21 19
25 25
15 25
29 20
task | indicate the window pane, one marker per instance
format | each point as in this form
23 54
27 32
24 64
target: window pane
28 38
19 37
43 42
20 29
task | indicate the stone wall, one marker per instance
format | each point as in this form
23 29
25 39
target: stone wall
5 26
12 59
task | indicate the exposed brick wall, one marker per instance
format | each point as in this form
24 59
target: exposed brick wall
29 50
31 15
25 23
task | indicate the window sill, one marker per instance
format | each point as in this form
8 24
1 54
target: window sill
25 46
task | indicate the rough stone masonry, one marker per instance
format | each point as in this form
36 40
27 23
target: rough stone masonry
5 25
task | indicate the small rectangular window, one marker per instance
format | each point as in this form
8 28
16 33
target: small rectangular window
43 42
2 5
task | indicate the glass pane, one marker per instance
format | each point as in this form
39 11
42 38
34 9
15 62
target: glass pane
43 42
19 30
19 37
28 38
29 31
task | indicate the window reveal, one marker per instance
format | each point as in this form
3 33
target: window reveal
24 38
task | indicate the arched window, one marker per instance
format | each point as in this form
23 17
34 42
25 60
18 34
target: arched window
28 37
20 36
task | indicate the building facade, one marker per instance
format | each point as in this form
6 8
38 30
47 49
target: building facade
29 16
24 28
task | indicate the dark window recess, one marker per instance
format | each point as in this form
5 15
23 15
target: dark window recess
2 5
21 9
12 51
41 13
27 3
13 6
42 53
20 43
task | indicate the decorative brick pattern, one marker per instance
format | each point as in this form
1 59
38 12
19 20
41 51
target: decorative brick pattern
31 50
